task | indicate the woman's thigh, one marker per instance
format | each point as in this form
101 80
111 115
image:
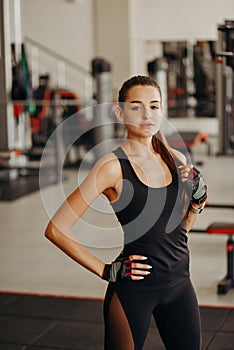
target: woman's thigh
178 318
127 315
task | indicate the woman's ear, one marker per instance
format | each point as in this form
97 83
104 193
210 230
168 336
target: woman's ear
119 114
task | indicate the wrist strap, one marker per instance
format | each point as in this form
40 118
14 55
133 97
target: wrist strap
113 272
106 272
196 210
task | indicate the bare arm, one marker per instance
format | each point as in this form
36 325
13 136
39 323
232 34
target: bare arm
194 208
58 230
190 219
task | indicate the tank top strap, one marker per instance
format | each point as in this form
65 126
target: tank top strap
124 162
119 152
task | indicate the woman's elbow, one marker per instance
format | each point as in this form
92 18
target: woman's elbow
50 232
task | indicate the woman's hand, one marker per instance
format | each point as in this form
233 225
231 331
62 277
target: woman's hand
184 171
126 268
195 182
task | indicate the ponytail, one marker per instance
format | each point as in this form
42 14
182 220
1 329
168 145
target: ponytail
161 146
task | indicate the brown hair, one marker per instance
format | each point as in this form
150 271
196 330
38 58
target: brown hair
159 142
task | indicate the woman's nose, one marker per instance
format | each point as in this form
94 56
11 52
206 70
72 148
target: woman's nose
146 113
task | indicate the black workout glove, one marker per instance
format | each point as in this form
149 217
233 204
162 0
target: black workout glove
198 187
123 267
118 270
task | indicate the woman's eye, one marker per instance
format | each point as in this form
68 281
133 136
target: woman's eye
155 107
136 108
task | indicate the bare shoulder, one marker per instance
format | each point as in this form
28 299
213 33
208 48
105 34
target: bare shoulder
108 164
106 172
179 155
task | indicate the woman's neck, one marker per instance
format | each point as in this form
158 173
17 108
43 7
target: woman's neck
140 147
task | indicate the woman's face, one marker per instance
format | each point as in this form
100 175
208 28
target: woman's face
142 112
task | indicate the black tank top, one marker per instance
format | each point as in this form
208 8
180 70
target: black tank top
153 225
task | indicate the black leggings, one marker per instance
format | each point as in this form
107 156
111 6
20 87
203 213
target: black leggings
128 311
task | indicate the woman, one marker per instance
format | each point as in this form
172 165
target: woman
150 198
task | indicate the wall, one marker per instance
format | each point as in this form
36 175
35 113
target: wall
64 26
81 30
173 20
112 36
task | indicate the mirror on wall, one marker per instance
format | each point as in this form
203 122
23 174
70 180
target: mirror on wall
190 75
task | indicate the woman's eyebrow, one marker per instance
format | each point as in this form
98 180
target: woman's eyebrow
155 101
135 101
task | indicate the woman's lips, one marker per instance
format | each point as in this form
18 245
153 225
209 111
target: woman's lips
147 126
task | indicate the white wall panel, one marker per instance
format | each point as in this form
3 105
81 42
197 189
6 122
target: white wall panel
64 26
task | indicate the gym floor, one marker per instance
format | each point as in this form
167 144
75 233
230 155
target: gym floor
31 264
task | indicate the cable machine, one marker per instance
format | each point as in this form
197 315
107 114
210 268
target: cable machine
158 69
103 95
225 87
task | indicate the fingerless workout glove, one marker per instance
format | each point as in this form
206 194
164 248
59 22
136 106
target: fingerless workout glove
199 189
118 270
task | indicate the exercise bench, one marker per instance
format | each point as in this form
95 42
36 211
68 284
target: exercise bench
188 140
227 229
